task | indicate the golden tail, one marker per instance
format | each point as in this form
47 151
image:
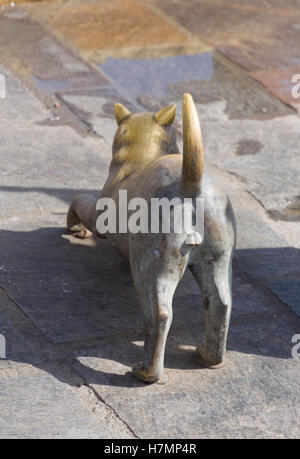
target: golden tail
192 164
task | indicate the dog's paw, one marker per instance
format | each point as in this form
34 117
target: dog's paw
83 234
142 375
80 232
207 364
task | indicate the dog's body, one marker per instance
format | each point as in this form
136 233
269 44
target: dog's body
147 164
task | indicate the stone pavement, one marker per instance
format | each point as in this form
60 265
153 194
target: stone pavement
68 308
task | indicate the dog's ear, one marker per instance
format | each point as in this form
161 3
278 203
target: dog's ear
121 112
166 115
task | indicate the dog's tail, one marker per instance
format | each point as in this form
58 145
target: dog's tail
192 164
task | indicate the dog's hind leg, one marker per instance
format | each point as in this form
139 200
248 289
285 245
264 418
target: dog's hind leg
214 279
81 218
156 275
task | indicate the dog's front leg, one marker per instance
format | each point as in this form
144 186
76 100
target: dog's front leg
81 217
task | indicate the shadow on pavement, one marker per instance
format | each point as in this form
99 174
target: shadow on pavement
78 294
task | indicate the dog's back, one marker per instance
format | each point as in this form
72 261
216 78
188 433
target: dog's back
148 170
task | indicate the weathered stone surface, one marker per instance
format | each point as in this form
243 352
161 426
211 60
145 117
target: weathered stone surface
207 19
38 57
279 82
254 233
277 191
262 253
288 290
264 42
89 26
18 351
254 36
153 76
19 105
205 77
72 293
255 395
44 167
41 407
268 263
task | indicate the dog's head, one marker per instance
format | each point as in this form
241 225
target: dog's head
142 137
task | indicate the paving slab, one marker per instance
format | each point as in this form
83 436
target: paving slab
41 407
254 396
45 166
89 26
288 290
278 150
19 104
262 254
207 19
153 76
281 83
18 351
265 42
39 58
203 75
254 38
253 232
71 294
269 263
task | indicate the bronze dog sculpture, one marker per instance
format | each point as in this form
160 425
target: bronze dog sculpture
147 164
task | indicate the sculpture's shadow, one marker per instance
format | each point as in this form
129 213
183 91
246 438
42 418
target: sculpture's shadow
81 296
80 299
